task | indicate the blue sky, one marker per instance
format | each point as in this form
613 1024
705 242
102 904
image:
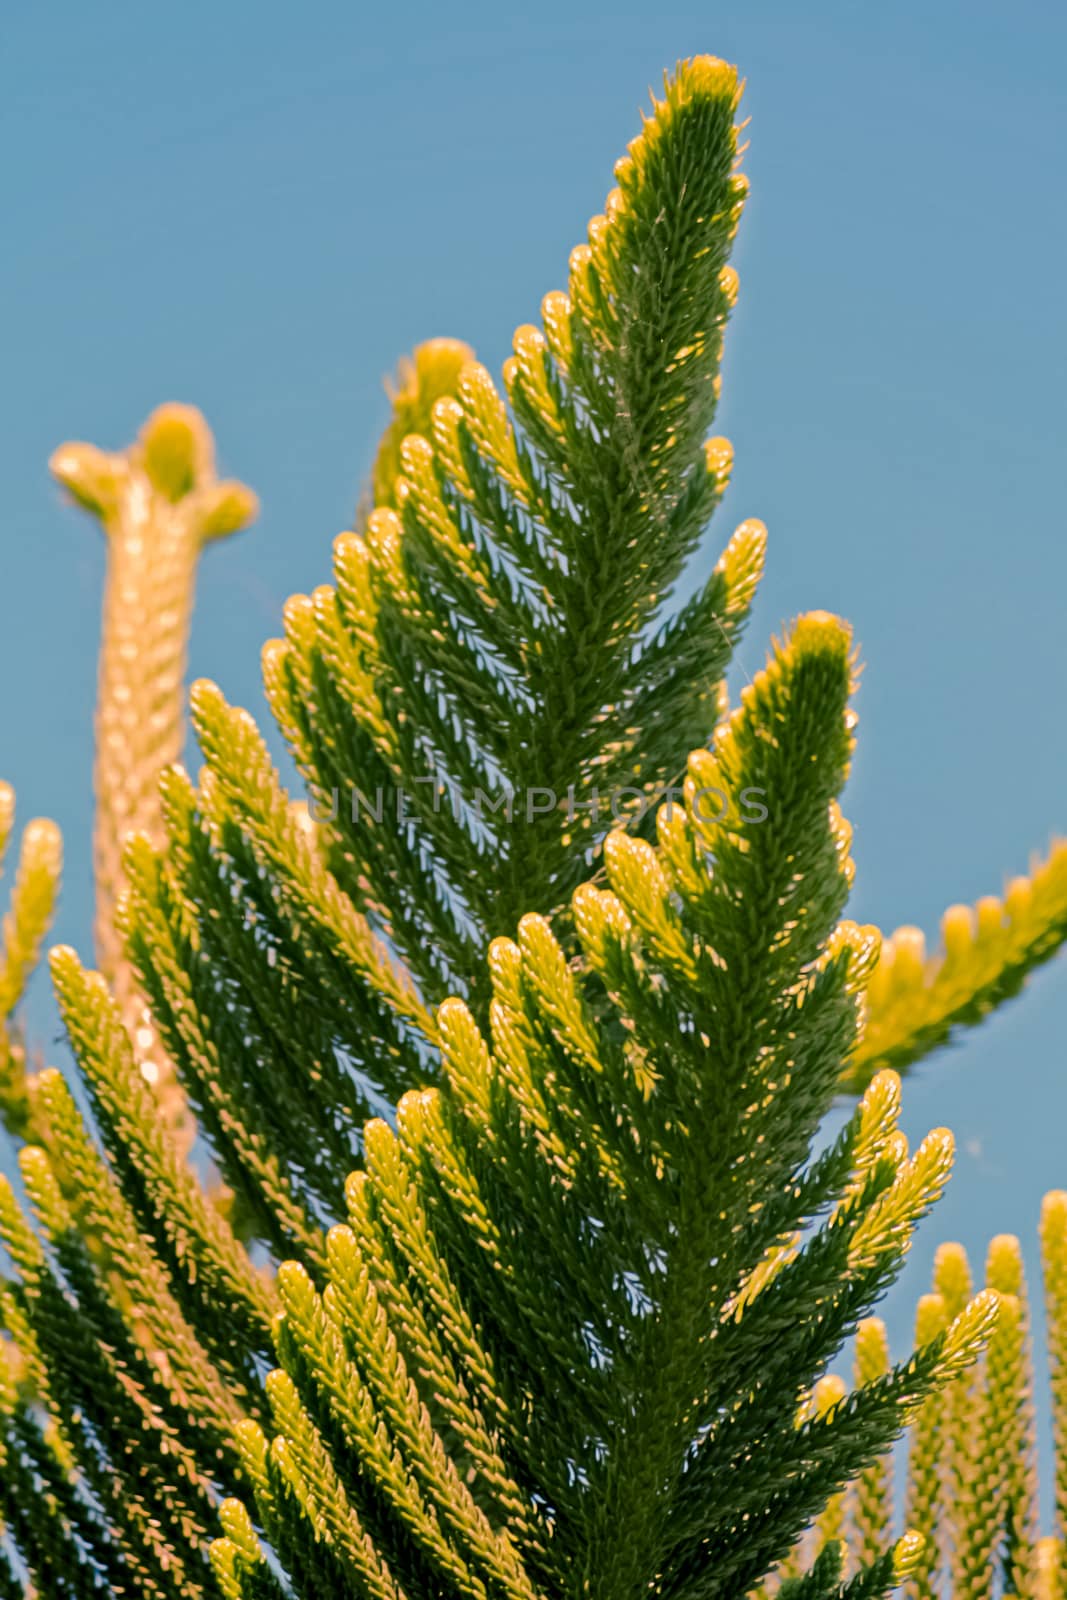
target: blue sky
258 208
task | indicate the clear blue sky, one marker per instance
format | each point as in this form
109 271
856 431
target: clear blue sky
258 207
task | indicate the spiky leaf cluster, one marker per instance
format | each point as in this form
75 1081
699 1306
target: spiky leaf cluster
571 1337
555 1349
971 1488
25 926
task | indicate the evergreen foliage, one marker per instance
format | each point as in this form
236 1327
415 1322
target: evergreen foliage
158 504
971 1482
916 1003
512 1047
25 927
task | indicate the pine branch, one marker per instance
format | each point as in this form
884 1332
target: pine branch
25 927
1054 1270
495 628
916 1004
972 1497
159 503
494 657
163 1193
927 1442
871 1504
566 1242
